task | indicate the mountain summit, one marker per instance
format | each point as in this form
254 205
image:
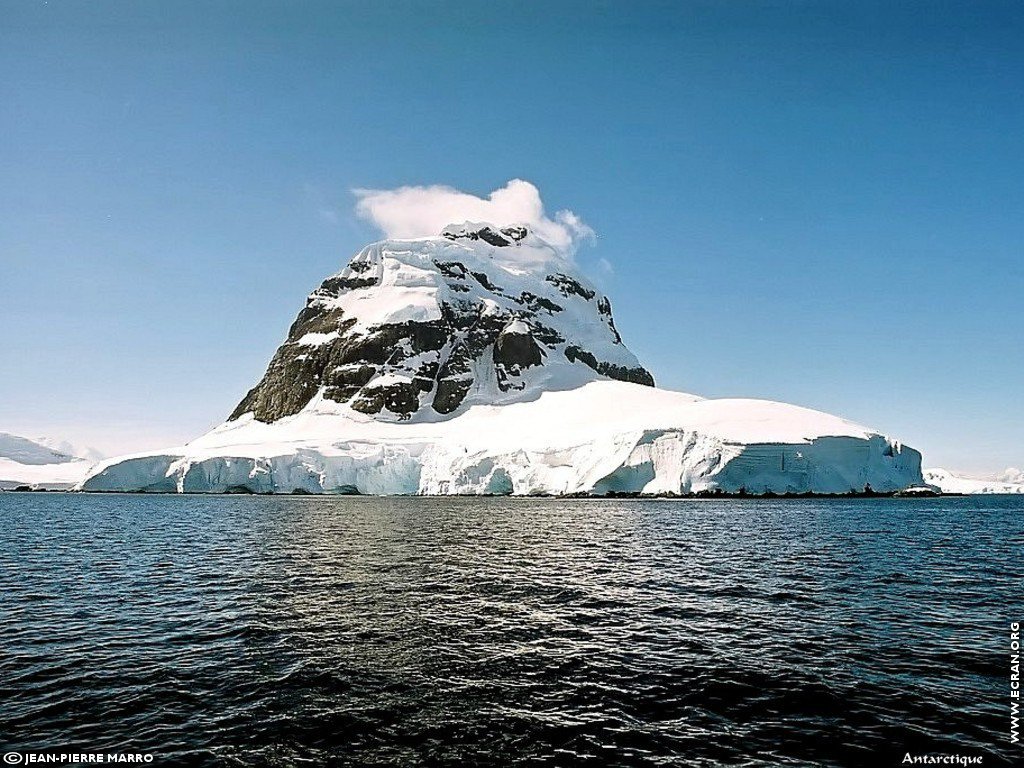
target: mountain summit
425 328
478 361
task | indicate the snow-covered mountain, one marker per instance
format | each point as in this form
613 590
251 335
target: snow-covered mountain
481 361
414 330
41 462
949 482
68 448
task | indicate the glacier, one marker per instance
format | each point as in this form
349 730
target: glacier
603 437
480 361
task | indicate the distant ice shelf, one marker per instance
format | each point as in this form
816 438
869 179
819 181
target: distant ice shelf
42 463
948 482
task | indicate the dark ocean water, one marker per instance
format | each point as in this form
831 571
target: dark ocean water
357 631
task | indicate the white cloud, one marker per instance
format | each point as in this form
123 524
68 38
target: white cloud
425 211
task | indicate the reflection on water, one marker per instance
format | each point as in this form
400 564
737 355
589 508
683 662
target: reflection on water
357 631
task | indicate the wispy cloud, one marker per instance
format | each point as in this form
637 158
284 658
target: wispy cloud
424 211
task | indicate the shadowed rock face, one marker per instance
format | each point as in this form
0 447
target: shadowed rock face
516 350
612 371
488 334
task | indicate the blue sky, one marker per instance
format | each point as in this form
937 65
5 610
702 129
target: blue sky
821 203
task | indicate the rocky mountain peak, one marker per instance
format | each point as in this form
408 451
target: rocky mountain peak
419 329
488 233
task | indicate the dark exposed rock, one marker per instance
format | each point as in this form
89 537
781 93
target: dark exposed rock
335 286
452 269
569 287
517 350
488 235
289 383
547 336
454 379
314 319
515 233
533 301
345 381
388 343
604 309
403 399
514 351
497 237
637 375
450 393
485 281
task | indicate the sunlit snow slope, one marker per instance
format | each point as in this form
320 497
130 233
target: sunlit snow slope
480 361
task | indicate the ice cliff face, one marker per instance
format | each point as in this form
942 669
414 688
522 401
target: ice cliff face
425 327
480 361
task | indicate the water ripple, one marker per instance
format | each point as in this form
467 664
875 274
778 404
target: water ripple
352 631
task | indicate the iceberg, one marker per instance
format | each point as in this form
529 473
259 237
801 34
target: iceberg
481 362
